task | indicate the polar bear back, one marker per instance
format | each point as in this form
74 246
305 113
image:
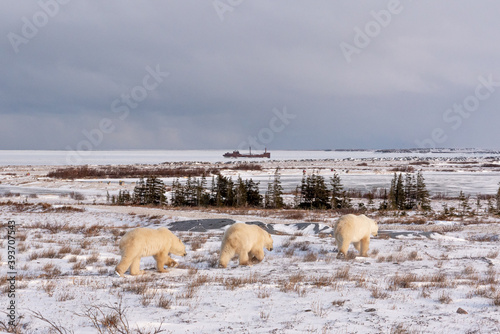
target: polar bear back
355 228
243 236
147 241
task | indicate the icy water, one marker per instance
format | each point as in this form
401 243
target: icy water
159 156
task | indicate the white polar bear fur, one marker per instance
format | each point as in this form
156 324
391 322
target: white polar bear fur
246 241
142 242
356 230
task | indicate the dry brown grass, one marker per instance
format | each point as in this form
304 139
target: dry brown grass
311 257
402 281
342 273
377 293
165 301
137 287
231 283
125 171
49 287
111 262
66 249
351 255
38 207
294 283
188 293
77 266
64 296
444 298
263 292
492 254
338 303
496 299
196 241
47 253
92 258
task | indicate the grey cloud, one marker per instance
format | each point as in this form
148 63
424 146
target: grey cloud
225 77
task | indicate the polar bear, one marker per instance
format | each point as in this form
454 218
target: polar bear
142 242
356 230
246 241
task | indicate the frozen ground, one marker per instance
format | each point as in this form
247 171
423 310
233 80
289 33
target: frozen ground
412 282
420 271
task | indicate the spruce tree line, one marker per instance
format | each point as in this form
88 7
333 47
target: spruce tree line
407 192
223 192
314 193
149 192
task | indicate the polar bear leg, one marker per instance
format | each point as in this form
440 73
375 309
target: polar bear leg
365 242
257 255
244 259
343 246
123 265
135 267
356 245
225 256
163 259
170 262
160 262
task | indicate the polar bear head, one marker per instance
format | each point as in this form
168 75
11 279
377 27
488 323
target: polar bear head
268 241
178 247
373 227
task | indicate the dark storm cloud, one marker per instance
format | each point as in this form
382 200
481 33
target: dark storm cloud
353 74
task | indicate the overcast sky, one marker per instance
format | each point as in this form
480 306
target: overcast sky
188 74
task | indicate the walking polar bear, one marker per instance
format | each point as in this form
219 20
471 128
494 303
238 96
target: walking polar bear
246 241
356 230
142 242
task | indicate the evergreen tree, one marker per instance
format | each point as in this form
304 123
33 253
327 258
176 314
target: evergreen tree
177 194
203 198
154 191
314 193
267 196
346 201
478 203
297 197
370 200
337 191
191 192
463 203
123 197
422 194
241 193
397 196
491 207
253 196
400 193
410 192
392 199
140 192
274 195
224 192
384 205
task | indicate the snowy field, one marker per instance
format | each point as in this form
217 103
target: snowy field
420 271
412 282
